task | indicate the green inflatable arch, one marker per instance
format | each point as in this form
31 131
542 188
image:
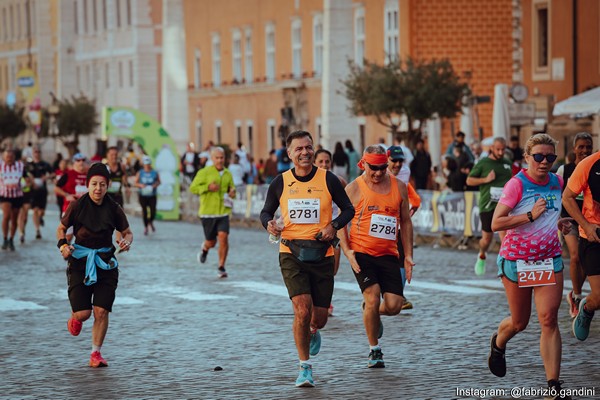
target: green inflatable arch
135 125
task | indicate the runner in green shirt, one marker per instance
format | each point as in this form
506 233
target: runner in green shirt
490 174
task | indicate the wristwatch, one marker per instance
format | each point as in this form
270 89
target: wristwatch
530 216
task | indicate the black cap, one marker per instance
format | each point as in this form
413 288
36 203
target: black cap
395 153
97 169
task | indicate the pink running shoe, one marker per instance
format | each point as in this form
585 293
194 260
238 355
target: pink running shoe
97 361
74 326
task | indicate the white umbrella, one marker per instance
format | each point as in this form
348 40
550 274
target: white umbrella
585 103
434 139
501 118
466 124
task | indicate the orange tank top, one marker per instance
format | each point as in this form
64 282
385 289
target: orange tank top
305 206
374 229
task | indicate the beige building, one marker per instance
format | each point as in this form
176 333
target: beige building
108 50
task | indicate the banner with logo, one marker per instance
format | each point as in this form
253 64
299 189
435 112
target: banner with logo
28 92
135 125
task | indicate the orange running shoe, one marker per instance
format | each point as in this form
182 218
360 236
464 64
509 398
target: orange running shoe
96 360
74 326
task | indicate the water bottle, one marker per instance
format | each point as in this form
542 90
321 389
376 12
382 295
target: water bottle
275 239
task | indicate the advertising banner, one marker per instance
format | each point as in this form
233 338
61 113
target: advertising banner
153 138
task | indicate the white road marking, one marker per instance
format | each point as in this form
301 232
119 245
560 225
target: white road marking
197 296
466 290
261 287
7 304
124 300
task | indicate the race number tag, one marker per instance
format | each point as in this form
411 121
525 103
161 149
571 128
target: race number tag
147 190
80 190
11 182
38 182
304 211
115 186
535 273
495 193
383 227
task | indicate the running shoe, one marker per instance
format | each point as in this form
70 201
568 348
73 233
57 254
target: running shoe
146 231
22 239
554 388
573 304
96 360
38 235
315 343
11 245
5 244
74 326
496 359
407 305
222 273
202 256
152 227
380 333
376 359
581 323
305 378
480 266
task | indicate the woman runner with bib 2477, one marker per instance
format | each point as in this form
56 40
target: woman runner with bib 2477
530 261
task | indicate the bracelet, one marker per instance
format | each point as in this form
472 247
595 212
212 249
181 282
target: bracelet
530 216
62 242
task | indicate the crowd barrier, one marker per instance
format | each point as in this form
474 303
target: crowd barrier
441 213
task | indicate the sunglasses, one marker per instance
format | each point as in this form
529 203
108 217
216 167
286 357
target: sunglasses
377 167
538 157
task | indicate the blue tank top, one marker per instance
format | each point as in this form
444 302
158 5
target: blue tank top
148 178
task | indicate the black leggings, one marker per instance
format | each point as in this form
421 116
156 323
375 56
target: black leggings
148 204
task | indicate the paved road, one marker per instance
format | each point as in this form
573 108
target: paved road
174 321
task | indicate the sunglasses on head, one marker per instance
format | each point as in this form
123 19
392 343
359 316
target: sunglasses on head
538 157
377 167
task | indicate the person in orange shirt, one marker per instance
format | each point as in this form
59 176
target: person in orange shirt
305 195
586 179
395 161
381 204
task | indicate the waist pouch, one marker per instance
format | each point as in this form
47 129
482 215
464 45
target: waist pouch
309 251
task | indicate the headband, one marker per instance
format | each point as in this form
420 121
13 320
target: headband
373 159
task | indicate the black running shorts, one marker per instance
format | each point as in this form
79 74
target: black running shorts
589 254
15 202
39 199
212 226
486 221
100 294
382 270
315 279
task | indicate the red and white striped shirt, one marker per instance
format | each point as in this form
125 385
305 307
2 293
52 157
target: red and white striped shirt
10 179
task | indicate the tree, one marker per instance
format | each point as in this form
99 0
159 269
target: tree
417 89
12 123
77 116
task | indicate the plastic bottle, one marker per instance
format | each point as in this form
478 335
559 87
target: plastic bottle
275 239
